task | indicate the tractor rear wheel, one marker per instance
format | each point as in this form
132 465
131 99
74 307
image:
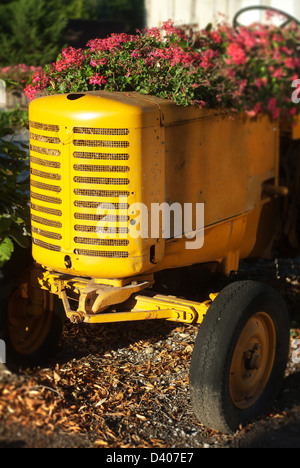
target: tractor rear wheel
33 322
240 356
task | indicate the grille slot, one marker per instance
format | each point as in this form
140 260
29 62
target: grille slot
101 180
104 253
45 175
46 222
96 217
102 156
43 186
42 126
96 229
101 143
48 151
95 168
45 209
102 242
45 198
43 162
101 131
46 245
48 234
102 193
44 138
104 206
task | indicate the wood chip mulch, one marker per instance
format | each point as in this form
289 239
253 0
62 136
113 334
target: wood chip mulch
127 385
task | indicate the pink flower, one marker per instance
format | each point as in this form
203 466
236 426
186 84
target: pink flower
153 32
170 29
278 74
272 107
289 62
113 42
70 57
260 82
236 55
257 108
206 58
247 38
216 37
135 53
30 92
99 62
97 79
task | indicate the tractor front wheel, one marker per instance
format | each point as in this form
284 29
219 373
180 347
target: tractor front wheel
240 356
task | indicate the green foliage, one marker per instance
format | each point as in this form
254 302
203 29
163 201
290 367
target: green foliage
30 32
14 197
16 118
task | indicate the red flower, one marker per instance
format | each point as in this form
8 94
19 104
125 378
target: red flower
255 110
97 79
69 57
272 107
236 55
207 57
289 62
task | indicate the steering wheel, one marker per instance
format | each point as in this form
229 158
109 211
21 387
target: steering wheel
289 18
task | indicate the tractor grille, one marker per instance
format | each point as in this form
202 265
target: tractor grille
102 170
97 181
46 186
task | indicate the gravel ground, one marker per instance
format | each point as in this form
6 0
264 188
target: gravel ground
126 385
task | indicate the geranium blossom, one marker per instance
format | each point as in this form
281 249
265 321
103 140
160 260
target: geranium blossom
99 62
97 79
236 54
70 57
247 69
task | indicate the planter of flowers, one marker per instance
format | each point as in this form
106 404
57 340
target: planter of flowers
244 69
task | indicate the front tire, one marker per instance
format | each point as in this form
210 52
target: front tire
240 356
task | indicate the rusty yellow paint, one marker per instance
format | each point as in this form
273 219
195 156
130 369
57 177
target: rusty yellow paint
93 299
91 159
95 156
156 307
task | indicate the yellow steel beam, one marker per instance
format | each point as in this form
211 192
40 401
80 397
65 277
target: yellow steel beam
157 307
93 296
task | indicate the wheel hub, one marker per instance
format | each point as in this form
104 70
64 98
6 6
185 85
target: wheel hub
253 357
252 361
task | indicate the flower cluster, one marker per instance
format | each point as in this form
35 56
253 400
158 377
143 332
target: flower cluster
247 69
18 75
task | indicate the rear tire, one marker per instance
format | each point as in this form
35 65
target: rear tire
240 356
31 332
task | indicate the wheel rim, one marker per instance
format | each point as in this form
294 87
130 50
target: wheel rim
252 361
28 326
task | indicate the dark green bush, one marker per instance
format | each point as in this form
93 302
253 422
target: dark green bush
14 197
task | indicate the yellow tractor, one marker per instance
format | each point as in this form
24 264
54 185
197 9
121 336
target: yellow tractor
125 186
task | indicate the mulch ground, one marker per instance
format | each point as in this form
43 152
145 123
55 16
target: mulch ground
126 385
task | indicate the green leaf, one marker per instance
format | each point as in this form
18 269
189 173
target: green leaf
6 250
18 236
